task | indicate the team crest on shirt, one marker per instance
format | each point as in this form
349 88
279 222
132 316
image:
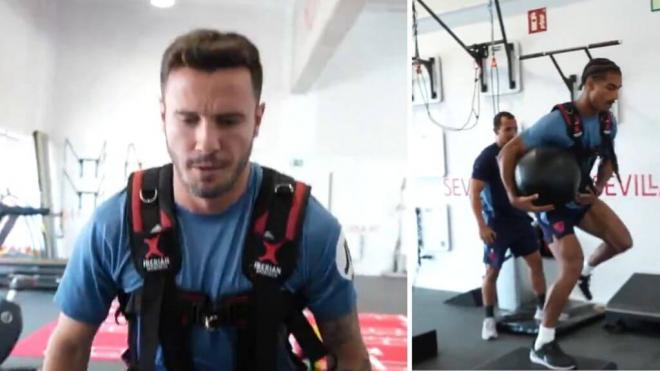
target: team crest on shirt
343 260
559 226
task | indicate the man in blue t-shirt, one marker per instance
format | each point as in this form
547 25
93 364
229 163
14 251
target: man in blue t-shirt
211 113
502 227
601 79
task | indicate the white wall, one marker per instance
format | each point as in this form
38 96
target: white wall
102 87
107 84
358 112
25 67
26 63
570 23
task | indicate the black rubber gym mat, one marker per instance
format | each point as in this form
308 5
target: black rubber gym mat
638 296
518 359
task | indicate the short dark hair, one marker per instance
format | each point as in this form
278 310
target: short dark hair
597 69
497 121
210 50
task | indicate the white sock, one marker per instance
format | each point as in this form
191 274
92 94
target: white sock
546 335
587 269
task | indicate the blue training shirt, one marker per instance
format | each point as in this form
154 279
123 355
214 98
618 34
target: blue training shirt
550 131
495 204
212 248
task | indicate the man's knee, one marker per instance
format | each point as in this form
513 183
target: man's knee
571 258
535 262
572 267
491 275
625 244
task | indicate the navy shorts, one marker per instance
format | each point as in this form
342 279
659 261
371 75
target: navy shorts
521 240
560 222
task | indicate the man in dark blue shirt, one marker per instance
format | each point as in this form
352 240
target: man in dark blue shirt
502 226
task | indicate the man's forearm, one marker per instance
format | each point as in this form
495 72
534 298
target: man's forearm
477 210
342 338
350 360
476 204
507 166
605 171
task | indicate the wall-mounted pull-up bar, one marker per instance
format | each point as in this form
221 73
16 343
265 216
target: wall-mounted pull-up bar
572 79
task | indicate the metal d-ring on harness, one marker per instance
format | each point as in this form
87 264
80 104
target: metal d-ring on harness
148 200
283 187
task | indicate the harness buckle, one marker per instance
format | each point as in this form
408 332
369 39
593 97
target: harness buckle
284 188
211 321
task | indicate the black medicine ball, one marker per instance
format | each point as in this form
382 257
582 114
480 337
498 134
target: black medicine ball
551 172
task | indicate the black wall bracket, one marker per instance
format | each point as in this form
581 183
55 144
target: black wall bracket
570 80
479 51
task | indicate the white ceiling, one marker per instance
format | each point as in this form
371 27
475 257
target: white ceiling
375 5
387 5
371 5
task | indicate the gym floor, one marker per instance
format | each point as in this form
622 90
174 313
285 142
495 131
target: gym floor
38 310
461 347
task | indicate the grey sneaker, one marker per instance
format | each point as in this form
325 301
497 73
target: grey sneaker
551 356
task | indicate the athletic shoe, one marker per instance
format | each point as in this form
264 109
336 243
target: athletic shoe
538 315
489 329
551 356
583 284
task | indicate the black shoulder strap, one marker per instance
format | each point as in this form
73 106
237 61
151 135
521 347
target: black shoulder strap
271 249
572 119
269 258
154 245
606 124
157 258
575 130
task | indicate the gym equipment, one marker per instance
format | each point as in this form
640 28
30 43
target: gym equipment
518 359
399 256
11 322
479 52
13 213
551 172
424 346
99 178
42 151
523 322
571 80
470 298
36 273
635 306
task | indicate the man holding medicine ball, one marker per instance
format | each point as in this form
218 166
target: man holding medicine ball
586 128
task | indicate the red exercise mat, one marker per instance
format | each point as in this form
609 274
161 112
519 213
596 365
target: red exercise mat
385 336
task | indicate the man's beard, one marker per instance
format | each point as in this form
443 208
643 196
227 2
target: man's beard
197 188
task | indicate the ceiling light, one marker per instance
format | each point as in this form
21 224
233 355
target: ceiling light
163 3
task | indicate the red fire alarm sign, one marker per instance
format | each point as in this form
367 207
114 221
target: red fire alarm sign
537 20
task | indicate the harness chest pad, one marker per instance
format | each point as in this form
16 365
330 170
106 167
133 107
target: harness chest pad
154 233
271 246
